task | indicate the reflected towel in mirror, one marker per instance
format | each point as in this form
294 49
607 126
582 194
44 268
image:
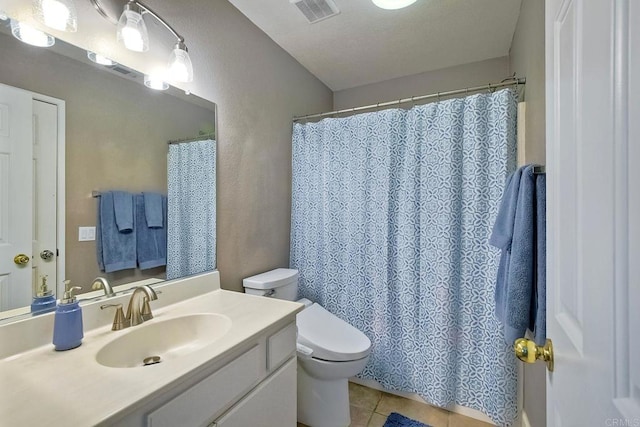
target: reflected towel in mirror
115 250
151 241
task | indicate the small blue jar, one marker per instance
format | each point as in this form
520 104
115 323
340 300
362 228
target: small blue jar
67 325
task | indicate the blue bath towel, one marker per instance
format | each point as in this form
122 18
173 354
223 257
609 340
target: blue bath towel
515 282
123 208
152 242
115 250
503 234
540 321
153 210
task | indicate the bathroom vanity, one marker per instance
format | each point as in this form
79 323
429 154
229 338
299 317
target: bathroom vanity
226 359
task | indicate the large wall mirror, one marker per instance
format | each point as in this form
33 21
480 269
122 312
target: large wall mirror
114 135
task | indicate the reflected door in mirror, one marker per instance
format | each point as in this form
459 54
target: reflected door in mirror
28 220
16 203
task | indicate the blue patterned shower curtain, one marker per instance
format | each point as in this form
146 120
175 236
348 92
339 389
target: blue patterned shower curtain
191 206
391 215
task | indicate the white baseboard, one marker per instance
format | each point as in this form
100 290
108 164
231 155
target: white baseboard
525 420
462 410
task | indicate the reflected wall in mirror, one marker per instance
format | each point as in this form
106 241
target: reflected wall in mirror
116 134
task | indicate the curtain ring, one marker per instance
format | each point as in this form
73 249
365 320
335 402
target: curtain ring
438 96
413 102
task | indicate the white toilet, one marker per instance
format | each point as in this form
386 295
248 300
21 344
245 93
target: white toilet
329 352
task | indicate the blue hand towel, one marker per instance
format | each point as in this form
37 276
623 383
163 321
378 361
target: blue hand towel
123 208
153 210
540 322
115 250
152 242
502 235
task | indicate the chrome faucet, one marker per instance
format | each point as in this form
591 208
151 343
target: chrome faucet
102 283
139 311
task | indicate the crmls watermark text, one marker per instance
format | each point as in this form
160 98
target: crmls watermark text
622 422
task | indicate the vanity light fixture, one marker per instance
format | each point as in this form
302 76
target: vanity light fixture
29 35
129 15
180 67
59 15
132 31
99 59
393 4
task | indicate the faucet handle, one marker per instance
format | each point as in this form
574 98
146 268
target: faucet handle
119 321
146 309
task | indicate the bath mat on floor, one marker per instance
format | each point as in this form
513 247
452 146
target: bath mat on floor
396 420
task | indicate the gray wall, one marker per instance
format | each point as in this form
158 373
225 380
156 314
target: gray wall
461 76
527 59
258 88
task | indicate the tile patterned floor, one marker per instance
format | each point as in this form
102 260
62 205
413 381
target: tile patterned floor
370 408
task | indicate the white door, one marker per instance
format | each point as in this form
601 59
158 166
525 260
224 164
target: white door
593 178
45 173
15 196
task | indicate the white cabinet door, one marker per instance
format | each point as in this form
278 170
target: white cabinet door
272 403
593 276
16 201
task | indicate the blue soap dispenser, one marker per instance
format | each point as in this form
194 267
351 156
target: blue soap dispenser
44 300
67 324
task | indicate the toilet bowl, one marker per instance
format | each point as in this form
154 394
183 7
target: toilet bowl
329 351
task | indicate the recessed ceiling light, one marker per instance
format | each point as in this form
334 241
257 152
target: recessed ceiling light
393 4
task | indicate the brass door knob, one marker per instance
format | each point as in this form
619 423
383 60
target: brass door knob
21 259
527 351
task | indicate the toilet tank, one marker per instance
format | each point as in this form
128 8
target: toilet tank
281 283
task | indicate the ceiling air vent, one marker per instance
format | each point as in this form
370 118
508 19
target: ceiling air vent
316 10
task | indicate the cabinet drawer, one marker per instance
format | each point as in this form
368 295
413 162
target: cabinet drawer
281 345
270 404
201 402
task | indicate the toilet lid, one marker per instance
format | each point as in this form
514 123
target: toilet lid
330 337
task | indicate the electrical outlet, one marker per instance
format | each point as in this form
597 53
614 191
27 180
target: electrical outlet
86 234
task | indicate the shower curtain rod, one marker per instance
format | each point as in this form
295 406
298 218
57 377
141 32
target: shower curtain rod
192 139
509 82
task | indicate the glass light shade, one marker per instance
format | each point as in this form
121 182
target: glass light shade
60 15
180 67
393 4
132 31
99 59
155 82
30 35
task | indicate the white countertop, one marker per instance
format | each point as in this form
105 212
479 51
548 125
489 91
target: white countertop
70 388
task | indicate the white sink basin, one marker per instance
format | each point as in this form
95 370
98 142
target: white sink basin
167 339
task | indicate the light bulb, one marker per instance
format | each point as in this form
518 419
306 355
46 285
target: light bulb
393 4
180 67
132 31
99 59
57 14
30 35
156 82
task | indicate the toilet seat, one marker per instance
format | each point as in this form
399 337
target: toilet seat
330 337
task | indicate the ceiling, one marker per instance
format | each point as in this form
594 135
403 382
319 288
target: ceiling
365 44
